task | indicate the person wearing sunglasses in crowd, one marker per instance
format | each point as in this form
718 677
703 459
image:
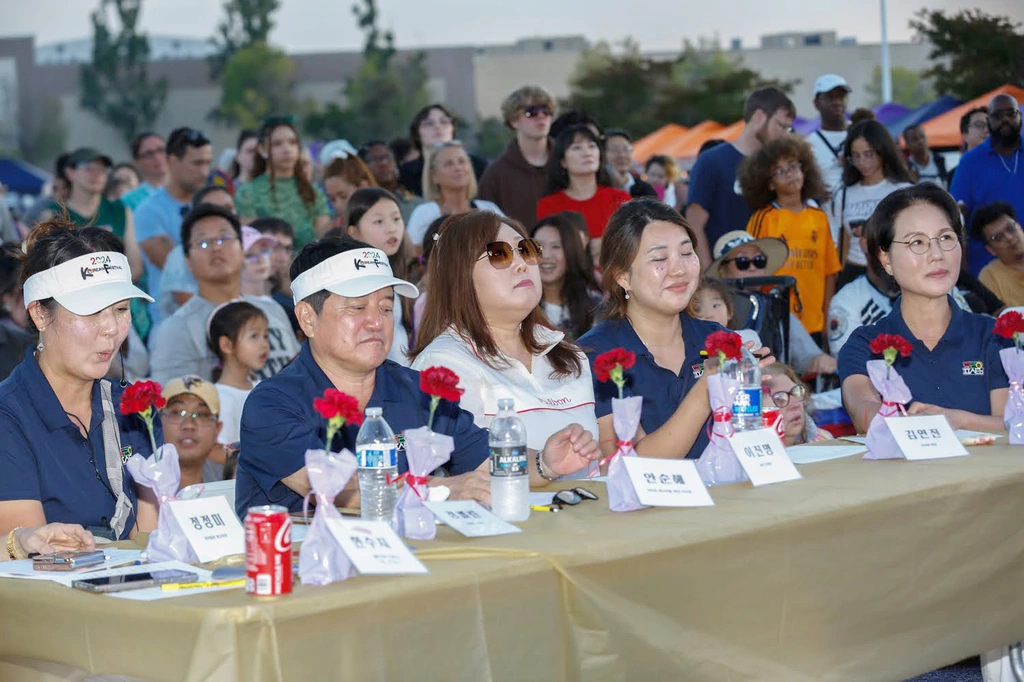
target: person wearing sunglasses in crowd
280 188
490 331
954 367
65 441
449 187
784 390
780 181
874 169
433 124
517 179
651 271
344 292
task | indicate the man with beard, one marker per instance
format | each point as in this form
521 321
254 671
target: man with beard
716 206
992 171
996 226
379 158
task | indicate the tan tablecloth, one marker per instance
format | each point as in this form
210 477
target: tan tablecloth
860 571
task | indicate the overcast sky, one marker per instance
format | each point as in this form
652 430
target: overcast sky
324 25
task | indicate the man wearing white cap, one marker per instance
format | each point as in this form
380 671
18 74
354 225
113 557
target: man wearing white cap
344 294
831 93
64 440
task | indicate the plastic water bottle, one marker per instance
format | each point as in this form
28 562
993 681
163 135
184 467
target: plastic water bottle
746 403
510 474
377 455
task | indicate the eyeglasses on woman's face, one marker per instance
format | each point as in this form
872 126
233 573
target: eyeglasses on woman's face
501 254
920 244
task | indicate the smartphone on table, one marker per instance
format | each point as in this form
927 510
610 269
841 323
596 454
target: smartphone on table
133 581
67 561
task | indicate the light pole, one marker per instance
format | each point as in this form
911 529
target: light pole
886 69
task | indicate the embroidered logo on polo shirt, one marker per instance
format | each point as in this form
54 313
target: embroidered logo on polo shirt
698 371
126 453
974 368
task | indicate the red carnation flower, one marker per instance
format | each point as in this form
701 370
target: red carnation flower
605 363
895 342
725 344
338 409
144 398
442 383
1010 326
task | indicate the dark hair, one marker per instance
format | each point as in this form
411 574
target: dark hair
709 144
428 237
352 169
988 214
113 182
755 173
262 166
420 117
364 150
719 287
361 201
667 162
202 212
315 253
912 126
881 226
860 115
617 132
769 100
965 120
245 134
621 242
61 165
579 223
272 225
182 139
879 139
558 176
572 119
228 321
136 143
463 238
579 280
57 241
400 147
198 197
10 271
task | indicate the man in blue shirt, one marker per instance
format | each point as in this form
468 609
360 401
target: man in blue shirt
992 171
158 220
715 205
344 300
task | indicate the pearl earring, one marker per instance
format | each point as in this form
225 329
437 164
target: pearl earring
627 295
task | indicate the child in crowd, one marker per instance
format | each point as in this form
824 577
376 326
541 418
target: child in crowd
280 264
344 174
238 335
190 422
429 242
256 270
713 302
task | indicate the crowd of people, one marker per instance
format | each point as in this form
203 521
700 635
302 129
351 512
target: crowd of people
248 289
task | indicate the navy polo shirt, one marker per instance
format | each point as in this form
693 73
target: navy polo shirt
663 390
44 457
957 374
279 424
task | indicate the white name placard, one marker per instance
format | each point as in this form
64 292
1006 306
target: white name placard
210 525
763 457
925 437
667 482
374 548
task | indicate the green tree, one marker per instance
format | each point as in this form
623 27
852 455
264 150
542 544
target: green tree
258 81
908 87
973 52
383 95
115 85
49 135
245 23
492 136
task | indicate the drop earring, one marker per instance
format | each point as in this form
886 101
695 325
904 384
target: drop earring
39 347
627 295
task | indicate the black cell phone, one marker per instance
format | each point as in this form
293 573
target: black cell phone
133 581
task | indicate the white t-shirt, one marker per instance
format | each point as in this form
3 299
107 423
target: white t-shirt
428 212
400 344
545 404
861 201
828 152
231 401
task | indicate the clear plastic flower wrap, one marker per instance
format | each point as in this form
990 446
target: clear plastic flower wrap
161 473
622 496
718 464
321 559
895 394
1013 413
424 452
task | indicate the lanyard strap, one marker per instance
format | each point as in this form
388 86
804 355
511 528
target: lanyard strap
112 459
835 152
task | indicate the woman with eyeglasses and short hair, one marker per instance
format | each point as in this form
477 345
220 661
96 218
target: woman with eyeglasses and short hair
280 188
874 168
449 187
780 181
782 389
953 368
490 330
64 440
431 125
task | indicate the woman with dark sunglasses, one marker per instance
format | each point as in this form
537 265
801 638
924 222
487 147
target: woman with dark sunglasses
490 330
784 390
779 182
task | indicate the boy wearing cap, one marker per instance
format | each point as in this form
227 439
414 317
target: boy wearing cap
831 94
191 424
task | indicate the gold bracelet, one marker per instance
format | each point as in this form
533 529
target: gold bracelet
540 467
11 552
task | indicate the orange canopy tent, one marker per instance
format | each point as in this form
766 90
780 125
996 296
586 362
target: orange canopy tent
656 142
944 130
688 145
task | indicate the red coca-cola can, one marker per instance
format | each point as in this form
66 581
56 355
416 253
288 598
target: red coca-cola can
268 551
770 419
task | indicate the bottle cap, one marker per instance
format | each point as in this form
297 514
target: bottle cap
372 412
506 403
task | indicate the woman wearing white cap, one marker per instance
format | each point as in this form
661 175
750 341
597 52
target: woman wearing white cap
64 444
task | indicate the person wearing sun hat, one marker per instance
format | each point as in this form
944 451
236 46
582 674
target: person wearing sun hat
344 294
64 441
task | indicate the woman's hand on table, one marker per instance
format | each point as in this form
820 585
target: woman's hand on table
53 537
569 450
475 485
956 418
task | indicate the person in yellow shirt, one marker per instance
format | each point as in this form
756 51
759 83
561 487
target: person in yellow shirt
996 226
780 182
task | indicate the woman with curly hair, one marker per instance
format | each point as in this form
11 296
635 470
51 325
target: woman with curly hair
779 181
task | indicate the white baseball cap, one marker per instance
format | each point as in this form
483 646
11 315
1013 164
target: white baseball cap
351 274
829 82
87 284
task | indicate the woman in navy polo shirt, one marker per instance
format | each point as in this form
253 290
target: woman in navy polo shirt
954 367
65 442
650 272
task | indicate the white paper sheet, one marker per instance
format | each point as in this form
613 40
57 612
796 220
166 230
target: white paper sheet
808 454
855 439
23 569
